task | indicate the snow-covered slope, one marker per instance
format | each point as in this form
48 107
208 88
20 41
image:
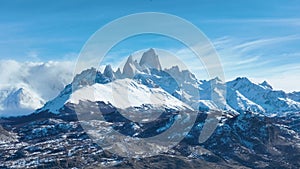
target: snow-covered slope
214 90
125 93
85 78
294 96
20 101
6 136
270 100
240 103
92 85
22 98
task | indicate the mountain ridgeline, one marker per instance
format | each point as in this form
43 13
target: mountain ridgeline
258 127
234 96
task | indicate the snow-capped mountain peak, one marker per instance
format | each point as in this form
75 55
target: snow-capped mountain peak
240 82
130 68
86 77
216 81
150 60
272 101
108 72
266 85
23 98
20 101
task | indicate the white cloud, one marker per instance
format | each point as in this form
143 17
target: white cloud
45 78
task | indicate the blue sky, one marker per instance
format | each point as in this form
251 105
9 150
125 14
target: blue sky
257 39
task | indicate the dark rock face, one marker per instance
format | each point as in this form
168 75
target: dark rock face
248 140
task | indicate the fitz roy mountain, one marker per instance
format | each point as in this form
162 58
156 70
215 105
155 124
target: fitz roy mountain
237 95
258 127
178 87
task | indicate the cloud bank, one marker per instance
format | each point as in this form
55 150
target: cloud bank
45 78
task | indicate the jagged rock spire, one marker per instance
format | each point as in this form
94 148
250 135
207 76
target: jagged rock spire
108 72
118 73
150 60
129 68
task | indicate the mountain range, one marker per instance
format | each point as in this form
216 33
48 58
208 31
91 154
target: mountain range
257 127
237 95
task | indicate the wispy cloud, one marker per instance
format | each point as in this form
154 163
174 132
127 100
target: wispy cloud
279 21
259 43
247 61
259 59
253 58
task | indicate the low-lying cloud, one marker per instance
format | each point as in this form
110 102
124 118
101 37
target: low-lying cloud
45 78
